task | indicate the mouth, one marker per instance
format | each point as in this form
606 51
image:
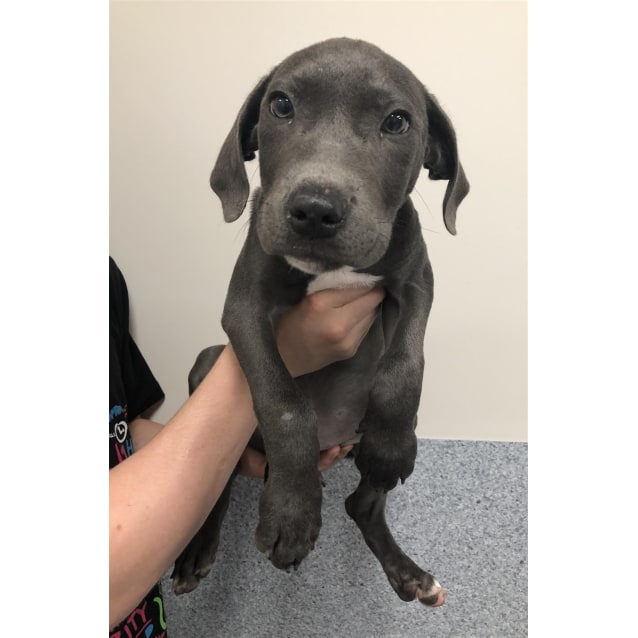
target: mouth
314 259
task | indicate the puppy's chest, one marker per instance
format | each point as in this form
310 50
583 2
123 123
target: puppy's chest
344 277
339 393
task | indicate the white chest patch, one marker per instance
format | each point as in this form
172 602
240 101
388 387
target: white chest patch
344 277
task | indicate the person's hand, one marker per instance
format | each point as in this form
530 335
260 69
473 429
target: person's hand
325 327
253 463
322 328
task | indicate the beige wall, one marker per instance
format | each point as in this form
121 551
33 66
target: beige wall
179 72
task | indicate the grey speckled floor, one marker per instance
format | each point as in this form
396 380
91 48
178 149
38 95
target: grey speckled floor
461 515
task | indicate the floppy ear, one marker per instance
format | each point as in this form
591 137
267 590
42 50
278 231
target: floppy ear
229 179
442 160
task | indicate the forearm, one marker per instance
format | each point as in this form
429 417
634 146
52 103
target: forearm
161 495
142 431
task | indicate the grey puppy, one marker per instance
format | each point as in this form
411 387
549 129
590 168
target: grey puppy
343 131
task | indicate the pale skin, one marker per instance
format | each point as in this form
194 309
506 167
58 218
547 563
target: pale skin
161 495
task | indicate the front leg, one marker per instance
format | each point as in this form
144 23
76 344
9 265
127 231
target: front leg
290 505
388 447
289 518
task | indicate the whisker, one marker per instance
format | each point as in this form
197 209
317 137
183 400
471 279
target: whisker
428 212
415 285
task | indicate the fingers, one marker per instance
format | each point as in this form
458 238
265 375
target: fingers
361 330
252 463
354 322
364 307
328 457
346 311
364 297
345 450
332 455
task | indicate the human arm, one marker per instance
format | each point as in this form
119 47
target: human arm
333 322
251 463
161 495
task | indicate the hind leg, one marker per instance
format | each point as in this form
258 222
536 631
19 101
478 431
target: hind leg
366 506
204 362
197 558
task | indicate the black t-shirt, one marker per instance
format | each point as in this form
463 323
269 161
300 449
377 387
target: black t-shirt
132 390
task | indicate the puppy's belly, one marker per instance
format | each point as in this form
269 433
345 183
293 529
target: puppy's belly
339 427
340 401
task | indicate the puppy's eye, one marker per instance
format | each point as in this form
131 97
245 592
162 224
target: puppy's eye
281 106
396 123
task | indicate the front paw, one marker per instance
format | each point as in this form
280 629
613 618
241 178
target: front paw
289 521
385 457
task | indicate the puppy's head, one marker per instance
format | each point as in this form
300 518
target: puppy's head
343 131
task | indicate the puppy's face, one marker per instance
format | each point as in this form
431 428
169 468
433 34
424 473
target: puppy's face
342 135
342 131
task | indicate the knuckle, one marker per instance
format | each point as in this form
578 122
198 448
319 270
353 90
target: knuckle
337 334
316 303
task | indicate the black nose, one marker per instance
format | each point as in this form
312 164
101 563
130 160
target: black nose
315 216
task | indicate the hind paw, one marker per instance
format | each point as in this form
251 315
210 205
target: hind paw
410 582
185 579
